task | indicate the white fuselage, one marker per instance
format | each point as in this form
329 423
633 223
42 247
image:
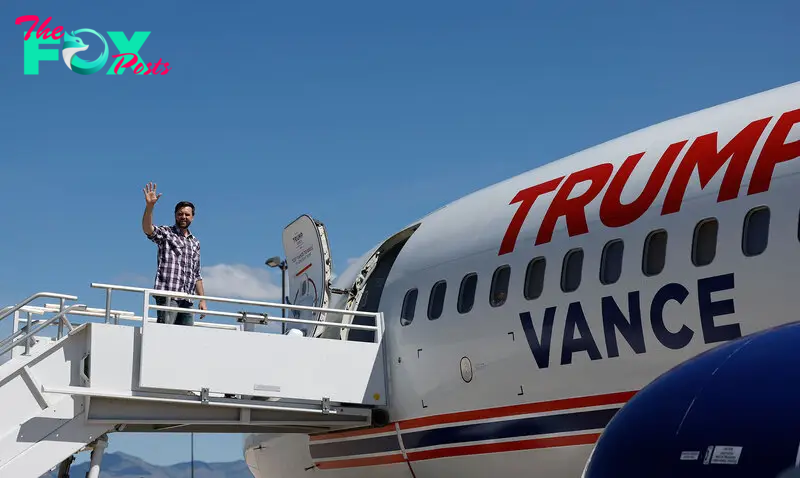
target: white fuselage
526 385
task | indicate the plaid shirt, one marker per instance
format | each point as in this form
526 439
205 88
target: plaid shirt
178 260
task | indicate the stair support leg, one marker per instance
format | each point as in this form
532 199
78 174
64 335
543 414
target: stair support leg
97 457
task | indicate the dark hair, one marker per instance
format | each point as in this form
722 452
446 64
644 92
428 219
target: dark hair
182 205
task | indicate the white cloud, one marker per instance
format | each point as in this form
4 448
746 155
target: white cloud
135 280
238 281
350 262
244 282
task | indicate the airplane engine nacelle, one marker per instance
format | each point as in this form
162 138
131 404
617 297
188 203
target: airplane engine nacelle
731 412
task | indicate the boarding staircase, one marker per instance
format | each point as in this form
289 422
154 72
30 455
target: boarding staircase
77 374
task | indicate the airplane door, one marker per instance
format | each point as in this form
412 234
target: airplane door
308 269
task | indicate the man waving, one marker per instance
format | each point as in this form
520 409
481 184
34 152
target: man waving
178 258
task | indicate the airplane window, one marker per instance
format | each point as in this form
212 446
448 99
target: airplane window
704 244
655 253
409 305
500 286
571 270
756 231
534 278
466 294
611 262
436 301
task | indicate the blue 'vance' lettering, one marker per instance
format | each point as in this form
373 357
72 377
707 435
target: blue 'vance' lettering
540 350
569 344
672 340
631 330
631 327
709 310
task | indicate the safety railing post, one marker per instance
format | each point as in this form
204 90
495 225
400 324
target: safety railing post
28 331
61 322
17 316
108 305
146 309
379 325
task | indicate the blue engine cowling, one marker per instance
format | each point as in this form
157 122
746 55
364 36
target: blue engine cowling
731 412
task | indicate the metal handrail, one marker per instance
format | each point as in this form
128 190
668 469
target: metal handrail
41 325
129 316
117 315
260 316
164 293
13 336
245 317
276 305
10 310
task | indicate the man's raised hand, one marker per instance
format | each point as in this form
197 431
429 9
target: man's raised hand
150 195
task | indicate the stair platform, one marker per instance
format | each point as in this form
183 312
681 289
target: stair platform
69 391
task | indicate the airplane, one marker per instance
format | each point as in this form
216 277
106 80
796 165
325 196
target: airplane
521 318
726 413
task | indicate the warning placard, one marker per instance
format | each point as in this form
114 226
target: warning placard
690 455
726 455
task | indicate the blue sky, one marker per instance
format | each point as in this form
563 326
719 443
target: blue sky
366 115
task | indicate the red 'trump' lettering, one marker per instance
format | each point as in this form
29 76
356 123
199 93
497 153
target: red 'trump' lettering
704 155
527 197
775 151
615 214
573 209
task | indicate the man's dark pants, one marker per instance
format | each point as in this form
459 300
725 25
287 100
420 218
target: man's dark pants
171 317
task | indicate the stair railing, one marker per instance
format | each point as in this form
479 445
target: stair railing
62 316
11 309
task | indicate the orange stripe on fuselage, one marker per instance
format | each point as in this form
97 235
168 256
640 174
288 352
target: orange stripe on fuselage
499 412
466 450
524 409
